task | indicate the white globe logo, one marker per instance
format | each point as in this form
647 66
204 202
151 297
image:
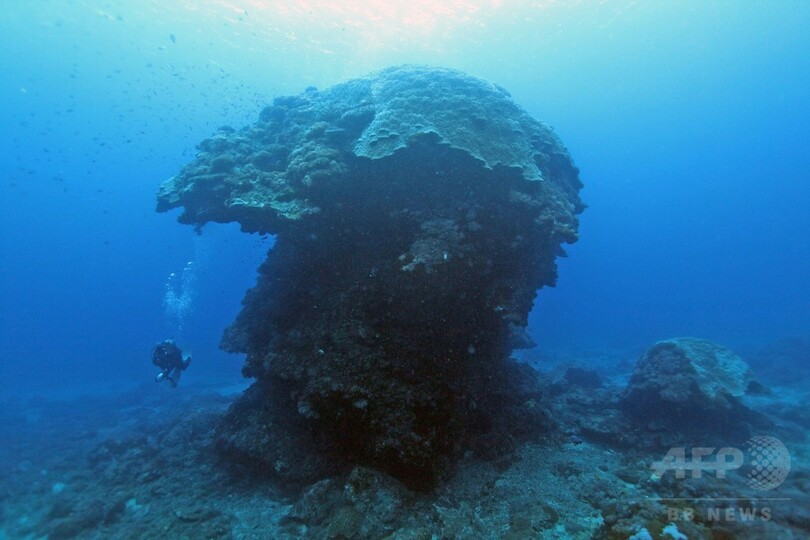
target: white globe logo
769 460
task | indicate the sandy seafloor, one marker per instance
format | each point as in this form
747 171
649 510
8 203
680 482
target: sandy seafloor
140 464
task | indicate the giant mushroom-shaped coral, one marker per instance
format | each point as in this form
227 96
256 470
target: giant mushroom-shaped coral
417 212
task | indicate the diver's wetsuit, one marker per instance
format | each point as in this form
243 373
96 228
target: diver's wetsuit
169 358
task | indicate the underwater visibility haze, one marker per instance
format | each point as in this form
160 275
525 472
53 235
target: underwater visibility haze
451 269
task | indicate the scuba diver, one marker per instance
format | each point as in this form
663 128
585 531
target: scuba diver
169 358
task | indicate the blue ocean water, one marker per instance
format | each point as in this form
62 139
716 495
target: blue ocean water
688 121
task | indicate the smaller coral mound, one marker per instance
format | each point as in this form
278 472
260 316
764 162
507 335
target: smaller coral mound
691 385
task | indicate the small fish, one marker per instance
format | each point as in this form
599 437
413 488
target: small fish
173 38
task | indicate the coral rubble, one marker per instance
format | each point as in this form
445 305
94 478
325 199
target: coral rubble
139 464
